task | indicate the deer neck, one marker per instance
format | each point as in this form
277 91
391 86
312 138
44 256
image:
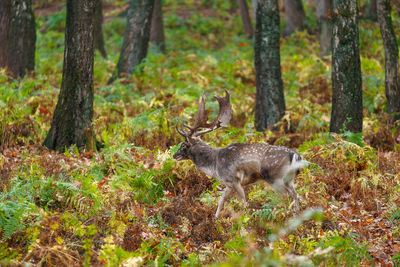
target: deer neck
204 157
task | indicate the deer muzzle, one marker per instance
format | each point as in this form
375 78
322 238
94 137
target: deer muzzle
178 157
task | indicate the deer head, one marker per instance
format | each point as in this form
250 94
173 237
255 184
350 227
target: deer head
202 126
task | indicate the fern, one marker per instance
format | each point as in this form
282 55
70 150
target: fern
28 194
12 216
78 202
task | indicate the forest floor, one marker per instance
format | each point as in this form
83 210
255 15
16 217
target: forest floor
131 204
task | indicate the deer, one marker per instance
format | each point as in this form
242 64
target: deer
238 164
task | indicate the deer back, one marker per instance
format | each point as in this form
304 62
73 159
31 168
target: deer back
255 161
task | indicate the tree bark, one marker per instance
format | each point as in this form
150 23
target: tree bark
347 109
98 28
5 18
392 77
73 114
157 36
244 13
324 11
17 36
294 16
254 8
136 38
372 10
270 101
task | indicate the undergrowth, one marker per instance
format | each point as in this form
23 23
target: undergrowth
132 204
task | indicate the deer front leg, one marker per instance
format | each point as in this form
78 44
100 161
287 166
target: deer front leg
240 191
289 187
225 195
286 189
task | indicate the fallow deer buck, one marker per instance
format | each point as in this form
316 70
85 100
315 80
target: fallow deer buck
238 164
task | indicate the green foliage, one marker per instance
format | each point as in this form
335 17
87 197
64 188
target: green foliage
113 255
317 141
56 22
374 95
235 246
396 258
269 211
13 216
143 183
395 215
356 138
345 250
31 192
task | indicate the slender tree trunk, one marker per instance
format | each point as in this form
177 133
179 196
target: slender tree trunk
72 119
270 101
371 10
294 15
136 38
5 18
18 36
157 36
347 109
254 8
244 13
323 11
392 77
98 28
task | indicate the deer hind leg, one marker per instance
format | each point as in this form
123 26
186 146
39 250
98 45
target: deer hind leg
225 195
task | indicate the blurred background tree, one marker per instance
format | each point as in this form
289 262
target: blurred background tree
17 36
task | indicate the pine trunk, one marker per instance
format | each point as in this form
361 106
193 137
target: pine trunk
392 78
157 36
323 9
98 28
136 38
294 16
244 13
17 36
73 114
270 101
347 109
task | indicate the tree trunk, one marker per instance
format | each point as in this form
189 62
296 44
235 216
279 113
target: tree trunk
244 13
98 28
73 114
5 18
254 8
17 36
323 11
270 101
157 36
371 10
392 78
294 16
347 109
136 38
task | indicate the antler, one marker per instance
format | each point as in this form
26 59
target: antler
223 118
